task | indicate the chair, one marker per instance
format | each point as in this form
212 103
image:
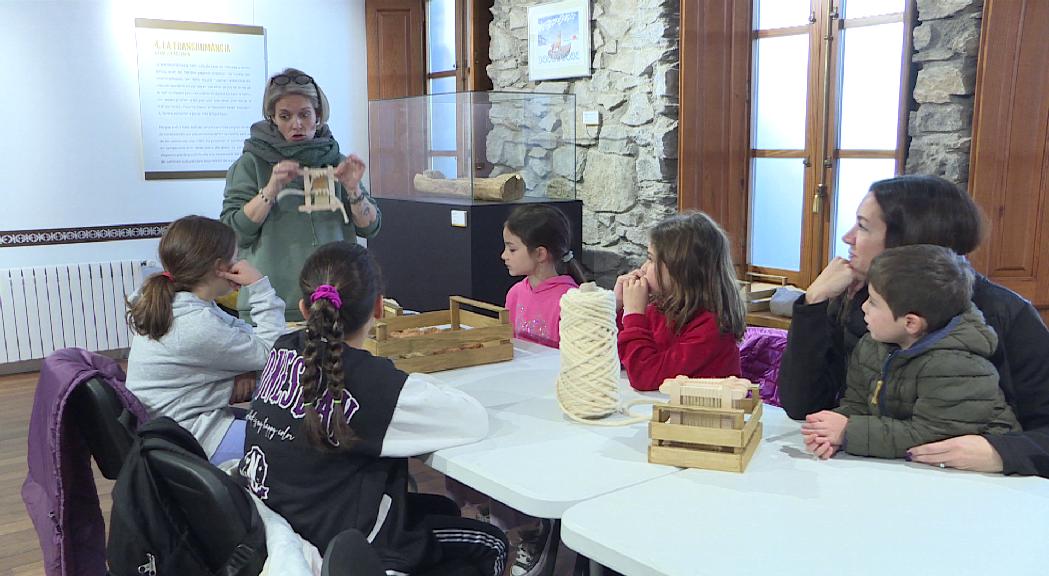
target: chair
105 424
220 513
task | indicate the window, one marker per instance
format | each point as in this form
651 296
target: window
828 118
442 55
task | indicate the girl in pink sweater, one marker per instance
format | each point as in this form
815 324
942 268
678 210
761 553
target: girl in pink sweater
537 239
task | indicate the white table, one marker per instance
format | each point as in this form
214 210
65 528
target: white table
792 514
535 459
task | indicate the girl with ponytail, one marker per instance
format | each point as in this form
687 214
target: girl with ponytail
331 427
537 244
186 353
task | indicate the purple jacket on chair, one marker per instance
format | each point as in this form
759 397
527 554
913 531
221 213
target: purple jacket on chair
59 491
759 356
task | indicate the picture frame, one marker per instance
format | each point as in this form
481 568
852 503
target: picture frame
559 40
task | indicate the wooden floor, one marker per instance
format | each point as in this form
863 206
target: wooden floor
19 548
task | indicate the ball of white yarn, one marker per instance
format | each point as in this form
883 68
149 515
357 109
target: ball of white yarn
587 386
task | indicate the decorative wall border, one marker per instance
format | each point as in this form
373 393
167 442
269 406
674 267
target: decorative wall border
46 237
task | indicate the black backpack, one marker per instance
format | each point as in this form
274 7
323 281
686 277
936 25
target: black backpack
174 513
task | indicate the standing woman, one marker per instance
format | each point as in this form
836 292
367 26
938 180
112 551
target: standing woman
828 322
264 187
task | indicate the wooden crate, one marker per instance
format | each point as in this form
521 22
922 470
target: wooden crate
756 300
678 438
390 308
486 340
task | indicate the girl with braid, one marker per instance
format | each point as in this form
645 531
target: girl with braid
331 427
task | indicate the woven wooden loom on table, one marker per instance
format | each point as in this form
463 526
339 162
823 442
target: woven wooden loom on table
712 423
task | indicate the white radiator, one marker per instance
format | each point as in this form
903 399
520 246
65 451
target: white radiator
48 308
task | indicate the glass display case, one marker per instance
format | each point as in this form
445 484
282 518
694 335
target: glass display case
487 146
447 169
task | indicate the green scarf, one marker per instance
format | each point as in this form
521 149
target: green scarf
267 143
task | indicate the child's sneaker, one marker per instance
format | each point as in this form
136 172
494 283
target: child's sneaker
533 551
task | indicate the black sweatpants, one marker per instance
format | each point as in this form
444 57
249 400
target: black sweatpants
465 546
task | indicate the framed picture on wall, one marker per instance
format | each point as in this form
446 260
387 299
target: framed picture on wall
559 40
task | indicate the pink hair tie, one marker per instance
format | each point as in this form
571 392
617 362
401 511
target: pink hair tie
168 276
329 293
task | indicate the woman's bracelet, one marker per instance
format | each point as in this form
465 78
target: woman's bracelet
360 198
265 199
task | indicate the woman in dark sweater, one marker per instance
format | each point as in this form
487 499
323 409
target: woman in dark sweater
828 322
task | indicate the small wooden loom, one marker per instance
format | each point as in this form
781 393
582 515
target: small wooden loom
423 343
319 187
709 423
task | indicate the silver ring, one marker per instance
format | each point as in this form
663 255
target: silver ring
942 465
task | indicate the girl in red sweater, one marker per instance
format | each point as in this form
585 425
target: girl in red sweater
681 313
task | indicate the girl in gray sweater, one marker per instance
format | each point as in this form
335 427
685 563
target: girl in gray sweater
186 352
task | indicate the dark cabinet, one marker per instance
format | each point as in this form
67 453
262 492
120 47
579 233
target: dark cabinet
430 249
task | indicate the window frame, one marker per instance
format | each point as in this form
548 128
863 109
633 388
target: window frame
821 154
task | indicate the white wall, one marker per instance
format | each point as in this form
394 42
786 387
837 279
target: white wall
71 140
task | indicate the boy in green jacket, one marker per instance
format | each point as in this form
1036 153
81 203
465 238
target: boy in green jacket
922 373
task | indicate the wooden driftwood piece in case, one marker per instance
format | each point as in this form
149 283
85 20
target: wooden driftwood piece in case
709 423
319 188
444 339
502 188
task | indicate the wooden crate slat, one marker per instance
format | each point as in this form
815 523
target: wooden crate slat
430 343
437 318
708 460
459 359
695 434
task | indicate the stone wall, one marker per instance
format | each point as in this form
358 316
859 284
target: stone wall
946 44
625 169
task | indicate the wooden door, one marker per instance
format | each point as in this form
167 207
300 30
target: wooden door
396 70
396 48
1009 170
715 114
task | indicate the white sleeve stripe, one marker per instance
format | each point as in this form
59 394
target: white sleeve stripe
380 517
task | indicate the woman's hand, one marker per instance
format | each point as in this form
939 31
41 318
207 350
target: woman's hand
635 295
963 452
618 289
285 171
242 273
349 173
835 279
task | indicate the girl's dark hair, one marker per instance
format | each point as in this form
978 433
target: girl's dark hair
695 252
355 275
928 210
190 250
543 225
